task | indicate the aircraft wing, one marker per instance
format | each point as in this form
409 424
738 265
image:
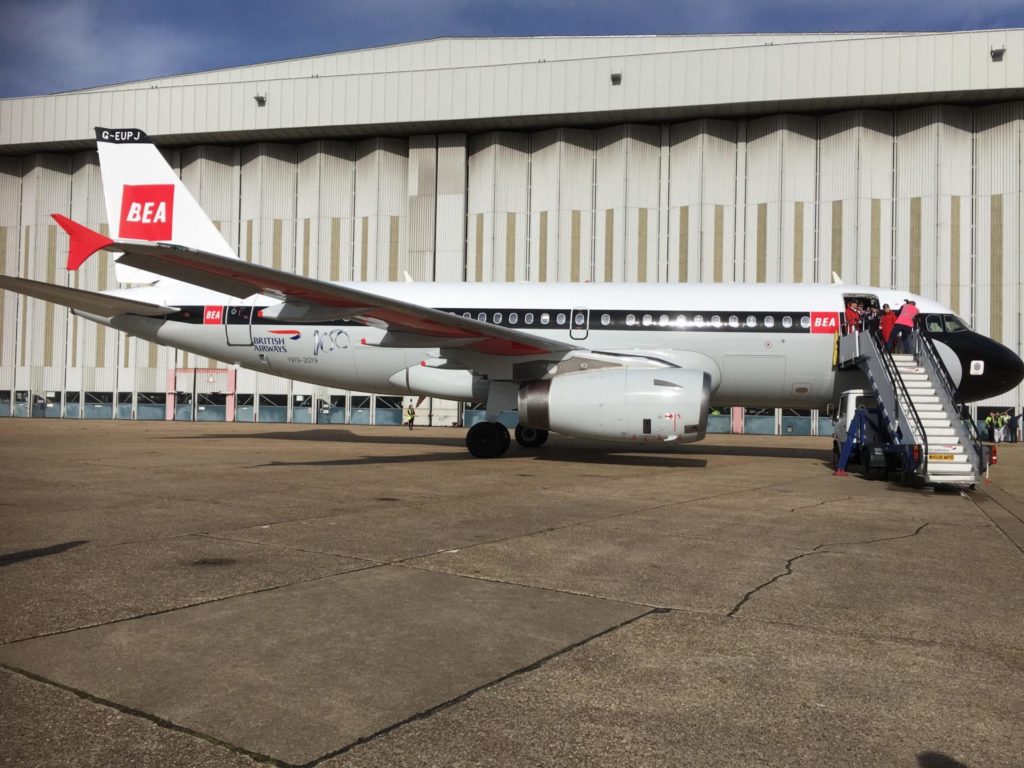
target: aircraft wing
101 304
239 278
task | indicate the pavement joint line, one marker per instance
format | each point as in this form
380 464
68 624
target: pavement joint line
275 545
176 608
818 550
430 711
980 506
155 719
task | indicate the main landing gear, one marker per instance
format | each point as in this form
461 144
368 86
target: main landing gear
490 439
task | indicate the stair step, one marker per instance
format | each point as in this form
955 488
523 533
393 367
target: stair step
923 408
940 432
951 479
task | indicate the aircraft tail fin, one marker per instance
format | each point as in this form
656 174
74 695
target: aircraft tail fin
145 198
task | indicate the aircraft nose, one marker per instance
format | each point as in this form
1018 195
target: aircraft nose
990 369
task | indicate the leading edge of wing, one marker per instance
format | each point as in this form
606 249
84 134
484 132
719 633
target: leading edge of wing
242 279
100 304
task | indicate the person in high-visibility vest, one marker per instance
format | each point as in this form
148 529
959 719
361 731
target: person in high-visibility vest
410 414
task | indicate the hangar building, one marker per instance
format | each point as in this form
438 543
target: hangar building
890 159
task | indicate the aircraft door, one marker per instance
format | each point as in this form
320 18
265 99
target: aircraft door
579 323
238 325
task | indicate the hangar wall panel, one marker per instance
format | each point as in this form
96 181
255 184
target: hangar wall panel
10 229
998 219
42 342
452 162
933 164
702 205
418 258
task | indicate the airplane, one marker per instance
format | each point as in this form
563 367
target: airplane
638 363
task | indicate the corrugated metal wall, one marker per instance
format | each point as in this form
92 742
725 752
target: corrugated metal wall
926 199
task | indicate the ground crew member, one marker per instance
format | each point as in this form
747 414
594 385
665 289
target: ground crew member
990 425
410 414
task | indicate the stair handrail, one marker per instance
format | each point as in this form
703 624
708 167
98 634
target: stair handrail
927 345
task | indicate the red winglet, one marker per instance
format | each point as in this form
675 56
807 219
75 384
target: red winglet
84 241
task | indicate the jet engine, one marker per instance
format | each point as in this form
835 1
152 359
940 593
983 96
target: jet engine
635 404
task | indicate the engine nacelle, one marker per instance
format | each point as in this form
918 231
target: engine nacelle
635 404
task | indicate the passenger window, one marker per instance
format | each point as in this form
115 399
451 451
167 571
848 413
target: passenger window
545 318
716 321
734 322
497 318
560 319
606 319
751 321
769 321
787 322
630 319
513 318
805 322
681 321
648 320
482 317
528 318
663 321
468 315
698 320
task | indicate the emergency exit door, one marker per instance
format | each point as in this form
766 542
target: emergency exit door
238 325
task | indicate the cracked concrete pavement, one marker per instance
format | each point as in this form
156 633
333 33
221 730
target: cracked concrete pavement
231 594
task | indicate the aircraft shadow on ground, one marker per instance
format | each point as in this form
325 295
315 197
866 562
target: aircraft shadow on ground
320 435
604 453
30 554
569 457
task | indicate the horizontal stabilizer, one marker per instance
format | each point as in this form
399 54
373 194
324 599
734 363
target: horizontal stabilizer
84 241
101 304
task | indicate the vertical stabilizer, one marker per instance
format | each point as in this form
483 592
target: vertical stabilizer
145 198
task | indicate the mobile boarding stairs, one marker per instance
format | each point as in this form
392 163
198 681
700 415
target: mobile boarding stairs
918 429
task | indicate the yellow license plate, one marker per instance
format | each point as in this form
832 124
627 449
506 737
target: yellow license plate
940 457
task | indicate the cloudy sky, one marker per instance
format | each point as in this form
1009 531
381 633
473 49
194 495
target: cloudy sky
48 46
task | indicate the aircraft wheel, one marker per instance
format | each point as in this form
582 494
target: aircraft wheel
487 440
530 437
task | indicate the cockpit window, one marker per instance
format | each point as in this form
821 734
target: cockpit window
954 324
934 324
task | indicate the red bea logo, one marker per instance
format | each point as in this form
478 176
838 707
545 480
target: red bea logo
213 315
147 211
824 322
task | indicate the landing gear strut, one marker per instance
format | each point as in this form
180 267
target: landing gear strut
531 437
487 439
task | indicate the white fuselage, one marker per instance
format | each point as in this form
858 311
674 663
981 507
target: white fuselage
765 344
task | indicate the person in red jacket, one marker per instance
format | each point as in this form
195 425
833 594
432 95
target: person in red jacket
886 321
852 317
905 325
